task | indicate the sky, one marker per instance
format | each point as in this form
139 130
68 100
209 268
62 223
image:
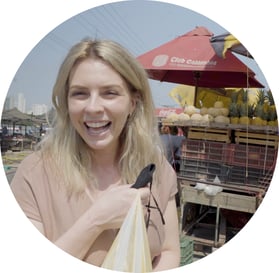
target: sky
138 25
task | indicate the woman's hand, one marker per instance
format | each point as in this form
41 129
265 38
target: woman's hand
111 206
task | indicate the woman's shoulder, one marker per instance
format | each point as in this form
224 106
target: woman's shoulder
30 163
165 167
167 182
31 159
166 173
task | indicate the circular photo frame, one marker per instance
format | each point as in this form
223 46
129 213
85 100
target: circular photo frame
226 175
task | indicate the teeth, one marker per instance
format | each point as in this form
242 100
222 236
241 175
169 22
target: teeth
97 124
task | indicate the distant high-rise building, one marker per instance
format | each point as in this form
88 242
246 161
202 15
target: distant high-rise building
8 104
39 109
15 101
21 102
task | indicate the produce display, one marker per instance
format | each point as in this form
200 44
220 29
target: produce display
260 113
240 110
201 116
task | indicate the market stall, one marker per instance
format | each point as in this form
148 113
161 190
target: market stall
226 169
225 141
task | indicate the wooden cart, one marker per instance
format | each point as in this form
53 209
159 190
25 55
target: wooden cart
243 158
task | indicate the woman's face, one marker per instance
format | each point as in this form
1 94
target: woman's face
99 103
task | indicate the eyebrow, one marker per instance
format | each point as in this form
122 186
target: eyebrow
77 86
117 86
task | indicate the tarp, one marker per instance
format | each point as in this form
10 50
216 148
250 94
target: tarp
184 95
222 43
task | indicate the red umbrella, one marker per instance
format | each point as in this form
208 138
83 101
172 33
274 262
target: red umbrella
190 59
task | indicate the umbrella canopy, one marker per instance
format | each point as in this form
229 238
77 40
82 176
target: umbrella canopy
17 117
206 97
222 43
14 115
190 59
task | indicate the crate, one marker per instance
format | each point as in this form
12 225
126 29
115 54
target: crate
204 133
193 169
257 138
249 176
252 156
193 149
205 150
186 250
196 169
236 164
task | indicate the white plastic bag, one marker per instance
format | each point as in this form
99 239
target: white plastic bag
130 250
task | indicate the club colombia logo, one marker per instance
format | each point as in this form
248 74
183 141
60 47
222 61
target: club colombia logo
160 60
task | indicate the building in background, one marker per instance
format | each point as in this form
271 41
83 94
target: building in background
16 101
38 109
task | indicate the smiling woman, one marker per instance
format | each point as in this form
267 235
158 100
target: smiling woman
76 188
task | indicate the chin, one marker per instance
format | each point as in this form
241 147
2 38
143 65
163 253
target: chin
100 145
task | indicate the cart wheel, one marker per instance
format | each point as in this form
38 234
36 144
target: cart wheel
190 212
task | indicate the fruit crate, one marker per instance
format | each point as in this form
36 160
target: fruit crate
212 134
264 139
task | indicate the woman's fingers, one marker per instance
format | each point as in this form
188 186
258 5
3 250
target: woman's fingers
144 194
112 205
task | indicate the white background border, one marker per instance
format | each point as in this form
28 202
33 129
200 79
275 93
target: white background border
25 23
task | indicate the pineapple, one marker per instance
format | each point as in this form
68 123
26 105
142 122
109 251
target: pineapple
272 118
271 112
260 114
244 109
234 109
264 118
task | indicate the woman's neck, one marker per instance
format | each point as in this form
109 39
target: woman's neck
105 166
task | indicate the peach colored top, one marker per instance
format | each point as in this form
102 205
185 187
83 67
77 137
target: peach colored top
38 194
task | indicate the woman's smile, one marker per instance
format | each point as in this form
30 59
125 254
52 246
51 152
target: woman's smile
97 128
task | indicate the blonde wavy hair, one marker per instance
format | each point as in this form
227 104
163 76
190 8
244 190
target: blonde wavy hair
140 144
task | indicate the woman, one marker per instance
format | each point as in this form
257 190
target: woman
76 189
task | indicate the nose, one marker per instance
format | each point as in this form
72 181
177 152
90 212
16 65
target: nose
94 104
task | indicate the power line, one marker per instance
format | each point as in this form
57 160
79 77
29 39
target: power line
125 27
88 25
58 40
113 28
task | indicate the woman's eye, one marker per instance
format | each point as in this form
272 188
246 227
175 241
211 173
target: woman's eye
78 93
111 93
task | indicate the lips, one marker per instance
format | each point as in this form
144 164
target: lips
97 127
